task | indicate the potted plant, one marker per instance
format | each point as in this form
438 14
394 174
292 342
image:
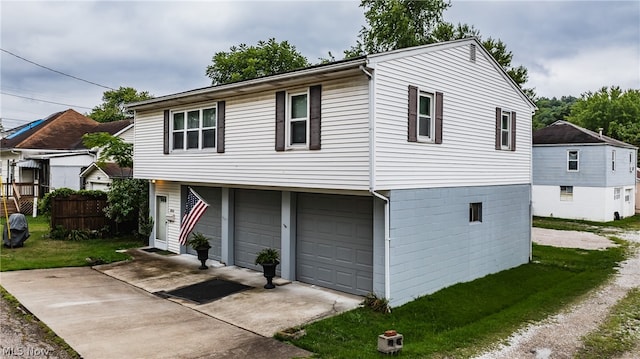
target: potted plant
269 259
200 243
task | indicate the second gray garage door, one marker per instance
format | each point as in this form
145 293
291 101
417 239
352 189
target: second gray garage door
257 225
335 242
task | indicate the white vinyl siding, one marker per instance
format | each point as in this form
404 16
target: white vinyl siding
467 155
250 158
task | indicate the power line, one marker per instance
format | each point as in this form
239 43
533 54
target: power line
40 100
56 71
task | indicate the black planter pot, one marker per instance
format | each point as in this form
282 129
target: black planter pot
203 255
269 270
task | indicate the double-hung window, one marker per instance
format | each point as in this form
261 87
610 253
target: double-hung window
505 130
613 160
298 119
194 129
572 161
425 117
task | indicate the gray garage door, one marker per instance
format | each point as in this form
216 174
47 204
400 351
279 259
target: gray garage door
257 224
209 223
335 242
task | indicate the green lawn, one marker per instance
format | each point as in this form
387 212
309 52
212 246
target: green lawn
42 252
629 223
464 319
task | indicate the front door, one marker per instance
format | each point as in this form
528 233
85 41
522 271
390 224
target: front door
161 223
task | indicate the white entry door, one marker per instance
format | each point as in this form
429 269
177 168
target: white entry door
161 223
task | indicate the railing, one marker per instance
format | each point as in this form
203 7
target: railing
23 189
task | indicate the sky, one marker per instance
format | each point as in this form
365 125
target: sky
164 47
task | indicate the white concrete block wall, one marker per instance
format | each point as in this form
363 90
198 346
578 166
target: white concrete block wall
433 244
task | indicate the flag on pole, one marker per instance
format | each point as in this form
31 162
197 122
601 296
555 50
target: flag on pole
194 209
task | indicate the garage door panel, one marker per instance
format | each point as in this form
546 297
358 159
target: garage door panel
257 224
210 223
335 241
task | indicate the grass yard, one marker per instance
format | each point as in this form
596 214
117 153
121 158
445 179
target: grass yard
629 223
462 320
42 252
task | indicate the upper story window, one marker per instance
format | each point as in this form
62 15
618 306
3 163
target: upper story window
505 130
193 129
613 160
631 163
573 161
425 117
298 119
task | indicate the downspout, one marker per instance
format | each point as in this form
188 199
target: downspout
372 185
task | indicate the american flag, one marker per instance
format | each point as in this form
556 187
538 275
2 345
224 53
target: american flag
194 209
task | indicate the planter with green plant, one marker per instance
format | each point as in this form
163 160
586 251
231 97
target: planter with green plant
269 259
200 243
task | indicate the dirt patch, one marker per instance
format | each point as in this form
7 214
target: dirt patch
570 239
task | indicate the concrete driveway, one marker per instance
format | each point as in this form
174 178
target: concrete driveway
109 311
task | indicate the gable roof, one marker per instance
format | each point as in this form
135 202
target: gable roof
60 131
565 133
110 169
321 71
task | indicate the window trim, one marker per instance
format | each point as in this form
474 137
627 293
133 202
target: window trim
289 120
577 161
616 193
511 129
432 117
613 160
186 130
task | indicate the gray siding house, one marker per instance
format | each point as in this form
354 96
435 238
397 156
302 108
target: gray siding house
397 173
581 174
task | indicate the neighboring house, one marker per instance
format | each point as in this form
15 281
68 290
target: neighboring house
49 154
637 190
581 174
99 178
397 173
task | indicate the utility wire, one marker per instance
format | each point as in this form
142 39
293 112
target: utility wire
56 71
35 99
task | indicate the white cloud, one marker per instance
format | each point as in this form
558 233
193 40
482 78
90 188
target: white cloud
586 70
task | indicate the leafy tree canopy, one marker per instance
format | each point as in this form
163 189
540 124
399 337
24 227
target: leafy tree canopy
247 62
551 110
113 148
112 108
616 111
396 24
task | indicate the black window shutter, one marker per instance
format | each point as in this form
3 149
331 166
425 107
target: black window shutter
220 127
280 116
315 114
498 127
513 131
412 134
166 132
439 101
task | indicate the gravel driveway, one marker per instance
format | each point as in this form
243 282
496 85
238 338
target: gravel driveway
559 336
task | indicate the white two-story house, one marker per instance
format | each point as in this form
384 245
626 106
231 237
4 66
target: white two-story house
397 173
581 174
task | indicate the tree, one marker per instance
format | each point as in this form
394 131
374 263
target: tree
128 198
247 62
551 110
114 148
112 108
617 112
396 24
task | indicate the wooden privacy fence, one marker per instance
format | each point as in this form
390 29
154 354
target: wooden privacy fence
79 212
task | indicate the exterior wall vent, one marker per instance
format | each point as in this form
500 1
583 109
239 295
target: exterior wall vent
472 53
